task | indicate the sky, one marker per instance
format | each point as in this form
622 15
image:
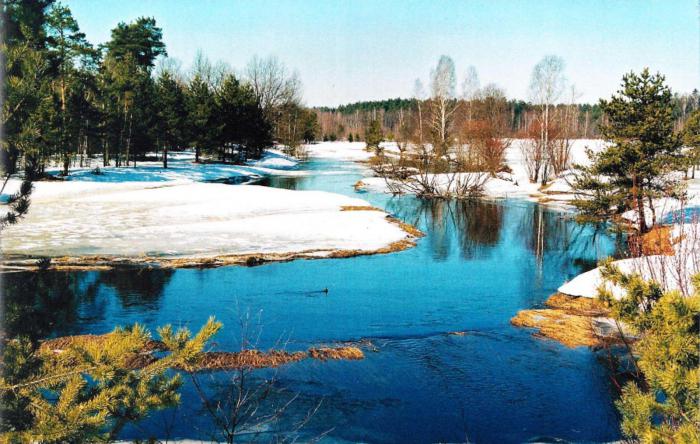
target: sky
351 50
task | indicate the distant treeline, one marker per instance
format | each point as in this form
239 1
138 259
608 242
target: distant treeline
352 119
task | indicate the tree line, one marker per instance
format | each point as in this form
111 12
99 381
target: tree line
67 100
352 120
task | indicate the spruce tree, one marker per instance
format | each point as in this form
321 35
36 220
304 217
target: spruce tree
644 149
201 111
373 135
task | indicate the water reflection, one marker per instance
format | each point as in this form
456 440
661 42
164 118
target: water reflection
137 287
36 305
49 303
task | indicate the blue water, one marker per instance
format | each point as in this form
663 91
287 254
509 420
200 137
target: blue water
477 266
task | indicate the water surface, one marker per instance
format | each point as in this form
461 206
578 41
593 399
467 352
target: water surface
479 263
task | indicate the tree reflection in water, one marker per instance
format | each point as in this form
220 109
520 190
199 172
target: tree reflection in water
51 303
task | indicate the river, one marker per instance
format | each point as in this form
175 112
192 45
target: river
479 263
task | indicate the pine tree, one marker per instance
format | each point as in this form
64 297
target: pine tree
663 406
201 111
691 139
633 171
66 44
94 386
172 113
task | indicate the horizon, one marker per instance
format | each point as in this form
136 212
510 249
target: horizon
352 62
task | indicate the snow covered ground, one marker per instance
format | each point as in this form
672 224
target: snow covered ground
191 219
353 151
152 212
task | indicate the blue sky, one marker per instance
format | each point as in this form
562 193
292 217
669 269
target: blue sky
347 51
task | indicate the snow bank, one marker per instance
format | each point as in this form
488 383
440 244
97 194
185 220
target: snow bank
276 159
191 219
671 272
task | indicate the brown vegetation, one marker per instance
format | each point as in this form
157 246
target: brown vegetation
572 321
359 208
245 359
325 353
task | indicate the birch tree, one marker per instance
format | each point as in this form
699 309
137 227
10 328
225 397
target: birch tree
470 88
546 87
443 104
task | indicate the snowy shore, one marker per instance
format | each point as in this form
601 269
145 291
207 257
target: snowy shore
166 214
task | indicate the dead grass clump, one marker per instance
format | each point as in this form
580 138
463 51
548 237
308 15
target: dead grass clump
359 185
359 208
403 244
572 330
408 228
577 305
325 353
247 359
658 241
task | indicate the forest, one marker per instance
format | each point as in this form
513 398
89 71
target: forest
68 100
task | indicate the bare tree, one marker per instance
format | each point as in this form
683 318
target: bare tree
419 95
546 87
249 404
565 122
272 83
485 133
443 104
470 88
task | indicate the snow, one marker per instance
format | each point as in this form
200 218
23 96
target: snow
191 219
671 272
352 151
151 211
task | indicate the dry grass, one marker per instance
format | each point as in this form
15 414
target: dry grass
325 353
570 320
408 228
577 305
359 185
249 359
359 208
65 342
246 359
569 329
